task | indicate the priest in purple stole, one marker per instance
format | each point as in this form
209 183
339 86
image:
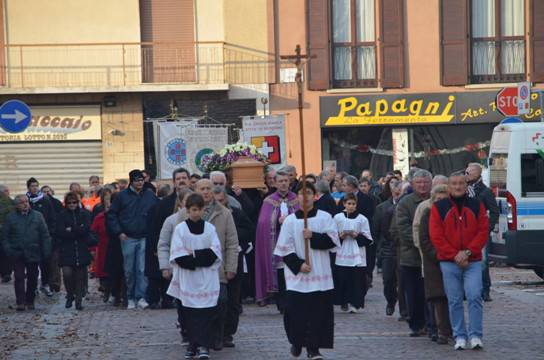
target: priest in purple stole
269 278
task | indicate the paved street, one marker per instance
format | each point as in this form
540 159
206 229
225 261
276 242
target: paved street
514 325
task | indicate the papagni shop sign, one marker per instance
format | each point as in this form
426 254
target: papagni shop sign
406 109
60 123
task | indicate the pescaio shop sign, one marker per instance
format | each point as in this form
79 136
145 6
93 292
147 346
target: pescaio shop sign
415 109
59 123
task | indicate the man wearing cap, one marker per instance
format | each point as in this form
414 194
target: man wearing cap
127 219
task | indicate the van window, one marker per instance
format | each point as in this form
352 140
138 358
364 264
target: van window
532 175
497 170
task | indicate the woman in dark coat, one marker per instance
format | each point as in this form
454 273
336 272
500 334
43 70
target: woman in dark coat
73 230
434 286
113 266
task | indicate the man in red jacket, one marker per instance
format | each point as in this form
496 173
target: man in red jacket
459 231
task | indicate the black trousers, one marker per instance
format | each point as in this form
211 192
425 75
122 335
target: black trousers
156 290
414 290
221 314
370 262
248 279
309 319
234 306
389 276
29 272
6 264
280 296
75 278
403 307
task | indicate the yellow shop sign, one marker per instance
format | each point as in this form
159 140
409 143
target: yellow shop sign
383 111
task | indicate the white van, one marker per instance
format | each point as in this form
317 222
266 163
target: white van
516 175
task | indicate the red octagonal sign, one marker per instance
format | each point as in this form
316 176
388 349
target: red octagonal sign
507 101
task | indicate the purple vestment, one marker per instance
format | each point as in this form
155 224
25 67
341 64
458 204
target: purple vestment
268 229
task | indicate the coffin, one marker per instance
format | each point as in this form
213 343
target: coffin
247 173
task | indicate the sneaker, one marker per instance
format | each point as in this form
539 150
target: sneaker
352 309
476 343
344 308
460 344
314 355
131 305
296 350
203 353
142 304
46 291
190 353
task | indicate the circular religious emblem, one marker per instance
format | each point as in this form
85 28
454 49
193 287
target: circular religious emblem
199 155
176 151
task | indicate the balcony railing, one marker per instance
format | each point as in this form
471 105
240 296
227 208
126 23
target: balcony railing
131 64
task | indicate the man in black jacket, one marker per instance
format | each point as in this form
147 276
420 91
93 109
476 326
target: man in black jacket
325 200
40 202
387 248
127 219
246 233
158 283
476 188
54 269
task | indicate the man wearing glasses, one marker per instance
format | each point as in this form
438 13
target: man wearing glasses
127 219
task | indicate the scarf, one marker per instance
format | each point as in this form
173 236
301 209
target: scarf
209 210
472 189
35 198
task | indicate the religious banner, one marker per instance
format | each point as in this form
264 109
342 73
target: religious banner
184 146
267 133
59 123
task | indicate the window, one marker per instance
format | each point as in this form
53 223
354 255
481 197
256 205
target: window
532 175
354 43
498 41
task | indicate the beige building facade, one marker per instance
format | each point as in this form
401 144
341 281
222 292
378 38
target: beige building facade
122 65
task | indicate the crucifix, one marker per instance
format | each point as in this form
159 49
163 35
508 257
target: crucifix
297 60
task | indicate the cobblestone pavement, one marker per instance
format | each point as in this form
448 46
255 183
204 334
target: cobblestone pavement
513 326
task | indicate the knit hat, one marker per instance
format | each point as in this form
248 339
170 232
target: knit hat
135 175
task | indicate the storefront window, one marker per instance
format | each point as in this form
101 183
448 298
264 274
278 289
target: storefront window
441 149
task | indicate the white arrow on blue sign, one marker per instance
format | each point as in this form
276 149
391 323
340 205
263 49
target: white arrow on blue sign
15 116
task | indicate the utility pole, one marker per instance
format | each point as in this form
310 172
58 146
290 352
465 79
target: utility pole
297 60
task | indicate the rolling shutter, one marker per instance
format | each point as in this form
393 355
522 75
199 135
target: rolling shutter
318 30
454 22
170 25
54 164
537 40
392 54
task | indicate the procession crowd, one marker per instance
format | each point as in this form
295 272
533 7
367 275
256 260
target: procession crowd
206 246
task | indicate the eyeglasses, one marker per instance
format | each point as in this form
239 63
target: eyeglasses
139 180
71 202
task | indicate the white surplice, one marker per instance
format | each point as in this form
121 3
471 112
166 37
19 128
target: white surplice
350 254
197 288
291 240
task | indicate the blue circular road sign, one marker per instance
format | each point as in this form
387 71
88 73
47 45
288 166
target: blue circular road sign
15 116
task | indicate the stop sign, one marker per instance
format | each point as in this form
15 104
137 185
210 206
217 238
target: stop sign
507 101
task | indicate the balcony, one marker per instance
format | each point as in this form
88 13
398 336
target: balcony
130 67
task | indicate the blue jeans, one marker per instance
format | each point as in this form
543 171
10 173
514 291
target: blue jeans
459 282
134 265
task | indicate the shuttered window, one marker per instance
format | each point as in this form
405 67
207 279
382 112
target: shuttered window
497 41
342 43
169 26
53 164
353 43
